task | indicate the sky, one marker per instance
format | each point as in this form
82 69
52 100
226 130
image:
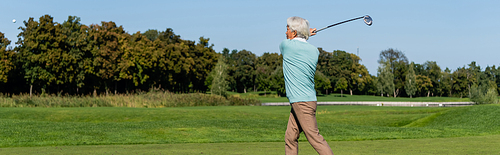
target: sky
451 32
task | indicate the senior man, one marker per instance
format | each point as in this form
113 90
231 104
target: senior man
299 66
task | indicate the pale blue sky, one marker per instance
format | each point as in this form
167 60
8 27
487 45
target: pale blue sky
453 33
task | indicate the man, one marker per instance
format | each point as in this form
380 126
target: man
299 66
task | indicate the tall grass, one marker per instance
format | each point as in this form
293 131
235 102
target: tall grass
147 100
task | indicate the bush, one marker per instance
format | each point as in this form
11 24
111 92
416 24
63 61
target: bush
483 95
148 100
240 101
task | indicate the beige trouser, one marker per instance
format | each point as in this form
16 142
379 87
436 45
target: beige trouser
303 119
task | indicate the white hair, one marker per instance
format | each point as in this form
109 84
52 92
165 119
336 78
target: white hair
300 25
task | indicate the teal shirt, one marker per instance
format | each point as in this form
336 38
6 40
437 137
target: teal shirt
299 66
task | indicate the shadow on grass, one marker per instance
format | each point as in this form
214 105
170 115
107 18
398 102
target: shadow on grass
266 93
331 95
337 95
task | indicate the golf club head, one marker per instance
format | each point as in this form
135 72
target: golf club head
368 20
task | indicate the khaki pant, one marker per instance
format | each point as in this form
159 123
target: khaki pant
303 119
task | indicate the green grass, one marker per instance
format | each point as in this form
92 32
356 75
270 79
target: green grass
460 145
102 126
272 97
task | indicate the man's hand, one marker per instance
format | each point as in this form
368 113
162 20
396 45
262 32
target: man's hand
312 31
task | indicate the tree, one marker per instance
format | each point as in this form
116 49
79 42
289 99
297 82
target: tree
225 53
231 62
169 37
278 81
433 71
340 64
496 73
379 84
204 58
359 75
137 59
392 56
72 56
105 41
424 83
6 59
272 60
328 66
244 73
41 52
473 75
489 74
151 34
341 85
169 62
419 69
446 82
385 82
411 82
263 74
219 84
482 85
321 82
484 94
343 71
75 57
371 86
11 72
140 62
400 70
398 64
265 65
460 82
180 65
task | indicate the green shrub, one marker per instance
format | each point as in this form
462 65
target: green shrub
483 95
240 101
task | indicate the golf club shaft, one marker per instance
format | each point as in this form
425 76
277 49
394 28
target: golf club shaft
338 24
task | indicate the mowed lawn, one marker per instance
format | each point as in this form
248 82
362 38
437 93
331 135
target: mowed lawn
272 97
455 145
20 127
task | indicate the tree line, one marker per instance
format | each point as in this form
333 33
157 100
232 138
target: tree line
340 71
73 58
398 77
336 71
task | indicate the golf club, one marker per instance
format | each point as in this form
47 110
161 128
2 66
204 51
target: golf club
367 19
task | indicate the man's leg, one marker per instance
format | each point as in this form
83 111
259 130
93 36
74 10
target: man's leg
292 135
305 113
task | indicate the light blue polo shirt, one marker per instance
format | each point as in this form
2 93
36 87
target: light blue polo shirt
299 66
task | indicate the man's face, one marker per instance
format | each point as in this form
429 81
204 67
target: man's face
289 33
